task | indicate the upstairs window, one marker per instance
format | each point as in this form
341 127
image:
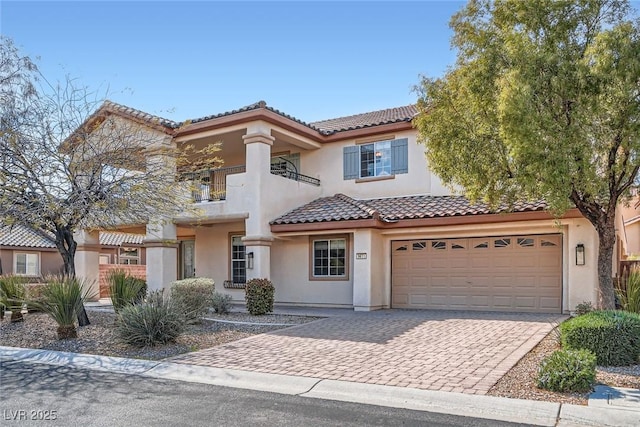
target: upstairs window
376 159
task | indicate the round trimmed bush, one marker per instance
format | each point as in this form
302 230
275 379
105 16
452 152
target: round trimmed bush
613 336
568 370
194 295
259 296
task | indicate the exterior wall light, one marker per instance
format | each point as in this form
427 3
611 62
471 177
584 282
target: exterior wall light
250 260
580 258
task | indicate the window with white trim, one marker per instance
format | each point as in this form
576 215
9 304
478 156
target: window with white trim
375 159
130 256
238 260
329 258
26 264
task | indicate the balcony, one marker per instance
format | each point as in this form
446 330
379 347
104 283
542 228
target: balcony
211 185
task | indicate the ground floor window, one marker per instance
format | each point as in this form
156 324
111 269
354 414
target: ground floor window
27 264
238 260
129 256
329 257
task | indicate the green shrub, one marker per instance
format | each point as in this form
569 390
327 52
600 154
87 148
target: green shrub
194 296
259 296
125 289
12 295
583 308
221 303
568 370
628 291
613 336
155 321
63 300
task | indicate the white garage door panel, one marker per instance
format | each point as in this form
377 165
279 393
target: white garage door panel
505 273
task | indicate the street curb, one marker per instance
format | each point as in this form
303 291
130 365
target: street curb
587 416
258 381
78 360
468 405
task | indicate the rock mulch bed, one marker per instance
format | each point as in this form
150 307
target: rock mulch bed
39 331
520 381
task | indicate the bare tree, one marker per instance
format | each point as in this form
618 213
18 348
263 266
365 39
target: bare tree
70 161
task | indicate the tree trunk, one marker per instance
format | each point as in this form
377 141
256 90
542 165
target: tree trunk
16 315
606 246
67 247
67 332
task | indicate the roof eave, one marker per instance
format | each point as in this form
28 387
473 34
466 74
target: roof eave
423 222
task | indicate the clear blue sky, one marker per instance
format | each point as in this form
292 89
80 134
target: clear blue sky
180 60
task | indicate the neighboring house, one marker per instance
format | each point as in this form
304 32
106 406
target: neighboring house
346 213
25 252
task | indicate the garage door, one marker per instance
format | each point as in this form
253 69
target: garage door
504 273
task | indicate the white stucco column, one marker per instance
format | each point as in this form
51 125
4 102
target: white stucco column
162 255
369 267
87 259
258 238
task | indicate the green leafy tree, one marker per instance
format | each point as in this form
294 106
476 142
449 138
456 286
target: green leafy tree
542 102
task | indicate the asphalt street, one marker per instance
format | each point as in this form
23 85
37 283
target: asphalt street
40 395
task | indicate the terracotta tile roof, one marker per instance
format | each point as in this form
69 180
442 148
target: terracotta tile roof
21 236
373 118
110 105
331 126
112 238
342 208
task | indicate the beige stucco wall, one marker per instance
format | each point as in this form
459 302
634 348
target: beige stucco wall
327 165
50 260
290 274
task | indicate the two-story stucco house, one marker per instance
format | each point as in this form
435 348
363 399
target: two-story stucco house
346 213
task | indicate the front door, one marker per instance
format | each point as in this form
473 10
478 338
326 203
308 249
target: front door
188 266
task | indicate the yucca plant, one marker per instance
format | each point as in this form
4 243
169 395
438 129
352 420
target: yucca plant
628 291
12 296
63 299
125 289
158 320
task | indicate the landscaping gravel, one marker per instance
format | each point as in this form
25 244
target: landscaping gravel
39 331
520 382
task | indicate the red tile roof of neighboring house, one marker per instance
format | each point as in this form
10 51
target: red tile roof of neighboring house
112 238
341 208
21 236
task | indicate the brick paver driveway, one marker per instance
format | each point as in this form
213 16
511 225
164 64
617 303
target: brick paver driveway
434 350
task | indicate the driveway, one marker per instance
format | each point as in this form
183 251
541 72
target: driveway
432 350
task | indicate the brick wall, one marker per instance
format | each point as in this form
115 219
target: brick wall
133 270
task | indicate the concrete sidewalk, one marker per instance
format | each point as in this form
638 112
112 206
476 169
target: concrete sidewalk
487 407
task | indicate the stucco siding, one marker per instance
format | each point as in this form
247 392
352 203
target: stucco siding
290 260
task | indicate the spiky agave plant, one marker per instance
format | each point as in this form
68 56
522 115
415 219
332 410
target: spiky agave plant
629 292
63 299
12 296
125 289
